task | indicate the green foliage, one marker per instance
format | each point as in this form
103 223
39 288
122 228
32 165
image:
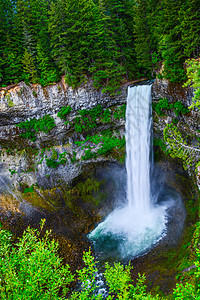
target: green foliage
87 119
56 159
64 111
44 124
177 146
190 289
179 108
12 171
107 142
9 101
106 116
32 269
87 277
54 154
51 163
107 41
170 39
28 190
145 41
193 74
163 105
110 143
30 73
161 144
89 154
120 112
73 158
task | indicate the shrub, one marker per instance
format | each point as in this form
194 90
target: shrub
44 124
32 268
64 111
51 163
89 155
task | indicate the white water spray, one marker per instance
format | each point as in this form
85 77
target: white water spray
134 228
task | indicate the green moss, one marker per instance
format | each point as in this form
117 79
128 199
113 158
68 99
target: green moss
54 154
9 101
34 94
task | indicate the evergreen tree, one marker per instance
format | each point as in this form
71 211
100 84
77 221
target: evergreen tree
145 40
170 43
121 25
29 71
189 17
10 64
82 45
47 71
57 28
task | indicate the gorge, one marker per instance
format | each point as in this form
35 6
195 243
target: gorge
139 223
52 197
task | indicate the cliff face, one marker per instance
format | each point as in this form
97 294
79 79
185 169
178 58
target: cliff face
24 161
187 124
21 102
30 189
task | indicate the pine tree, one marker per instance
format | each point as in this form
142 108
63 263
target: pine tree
29 71
10 60
189 18
57 29
145 40
47 71
121 25
170 43
82 45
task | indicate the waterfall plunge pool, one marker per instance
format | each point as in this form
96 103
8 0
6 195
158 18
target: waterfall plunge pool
144 213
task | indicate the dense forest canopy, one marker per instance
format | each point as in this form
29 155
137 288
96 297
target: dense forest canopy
106 40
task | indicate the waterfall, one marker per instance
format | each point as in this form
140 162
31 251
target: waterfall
133 228
138 141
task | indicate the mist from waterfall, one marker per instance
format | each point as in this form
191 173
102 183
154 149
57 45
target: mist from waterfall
133 228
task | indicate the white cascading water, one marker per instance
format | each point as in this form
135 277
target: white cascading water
138 139
134 228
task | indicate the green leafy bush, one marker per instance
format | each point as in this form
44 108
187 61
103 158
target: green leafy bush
106 116
29 190
89 155
179 108
120 112
32 268
110 143
193 75
51 163
87 119
163 105
44 124
64 111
